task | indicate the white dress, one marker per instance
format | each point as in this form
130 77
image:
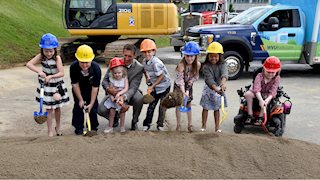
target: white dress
119 85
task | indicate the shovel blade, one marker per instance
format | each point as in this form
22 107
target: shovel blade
184 109
40 118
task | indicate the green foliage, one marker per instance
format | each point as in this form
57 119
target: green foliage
292 41
23 22
231 8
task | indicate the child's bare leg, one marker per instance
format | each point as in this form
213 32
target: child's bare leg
122 121
112 113
178 116
216 115
249 97
49 122
57 115
204 118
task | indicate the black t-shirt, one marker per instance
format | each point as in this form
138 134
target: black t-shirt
85 82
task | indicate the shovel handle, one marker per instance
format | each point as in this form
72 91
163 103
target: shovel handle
185 101
41 97
265 129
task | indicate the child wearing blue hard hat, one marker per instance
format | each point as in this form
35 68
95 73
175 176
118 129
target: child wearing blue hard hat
51 78
187 72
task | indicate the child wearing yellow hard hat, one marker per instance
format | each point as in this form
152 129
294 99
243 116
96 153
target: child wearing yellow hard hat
85 77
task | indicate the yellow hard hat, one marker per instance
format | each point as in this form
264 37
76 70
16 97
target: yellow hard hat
147 45
215 47
84 53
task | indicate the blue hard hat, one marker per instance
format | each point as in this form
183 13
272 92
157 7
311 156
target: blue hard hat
48 41
191 49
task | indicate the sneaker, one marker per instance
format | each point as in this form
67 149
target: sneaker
160 128
259 121
203 129
134 126
108 130
219 131
78 131
146 128
122 129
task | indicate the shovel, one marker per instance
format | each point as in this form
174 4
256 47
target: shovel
87 123
224 112
40 117
148 98
184 108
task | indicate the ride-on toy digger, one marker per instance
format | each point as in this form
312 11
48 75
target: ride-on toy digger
275 118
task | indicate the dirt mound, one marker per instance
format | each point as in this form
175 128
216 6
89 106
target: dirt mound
158 155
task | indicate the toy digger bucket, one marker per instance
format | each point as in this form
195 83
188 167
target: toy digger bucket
263 125
184 108
87 131
224 112
40 117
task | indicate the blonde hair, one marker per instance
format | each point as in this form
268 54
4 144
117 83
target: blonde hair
123 69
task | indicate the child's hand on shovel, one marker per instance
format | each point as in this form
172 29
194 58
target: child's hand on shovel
89 107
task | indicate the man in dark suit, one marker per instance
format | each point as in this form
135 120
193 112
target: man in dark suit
133 96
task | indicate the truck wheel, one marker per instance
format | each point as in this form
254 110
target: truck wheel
177 48
234 63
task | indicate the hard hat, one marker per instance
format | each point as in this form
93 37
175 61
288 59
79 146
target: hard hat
147 45
84 53
215 47
272 64
48 41
191 48
115 62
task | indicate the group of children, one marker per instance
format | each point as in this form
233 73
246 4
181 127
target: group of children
157 78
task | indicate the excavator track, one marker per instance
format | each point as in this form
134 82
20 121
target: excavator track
104 51
115 49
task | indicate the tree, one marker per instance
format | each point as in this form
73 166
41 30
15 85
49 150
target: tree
231 8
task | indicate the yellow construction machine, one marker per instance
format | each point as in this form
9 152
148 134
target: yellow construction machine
102 22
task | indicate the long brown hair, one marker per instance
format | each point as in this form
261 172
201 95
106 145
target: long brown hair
194 65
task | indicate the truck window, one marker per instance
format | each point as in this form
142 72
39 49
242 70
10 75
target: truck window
202 7
250 16
287 18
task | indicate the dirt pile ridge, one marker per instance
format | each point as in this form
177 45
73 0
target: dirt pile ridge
158 155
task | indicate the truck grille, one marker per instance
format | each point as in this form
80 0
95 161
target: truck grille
189 21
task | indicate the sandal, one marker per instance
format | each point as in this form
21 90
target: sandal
58 132
259 121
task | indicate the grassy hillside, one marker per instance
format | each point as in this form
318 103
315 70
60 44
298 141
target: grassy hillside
22 24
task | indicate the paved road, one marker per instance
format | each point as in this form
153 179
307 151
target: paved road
17 87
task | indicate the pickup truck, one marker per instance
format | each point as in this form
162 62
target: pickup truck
288 29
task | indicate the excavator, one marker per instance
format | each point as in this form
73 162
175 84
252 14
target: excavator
101 23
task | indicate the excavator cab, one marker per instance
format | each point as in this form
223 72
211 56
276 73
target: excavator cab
88 14
105 21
